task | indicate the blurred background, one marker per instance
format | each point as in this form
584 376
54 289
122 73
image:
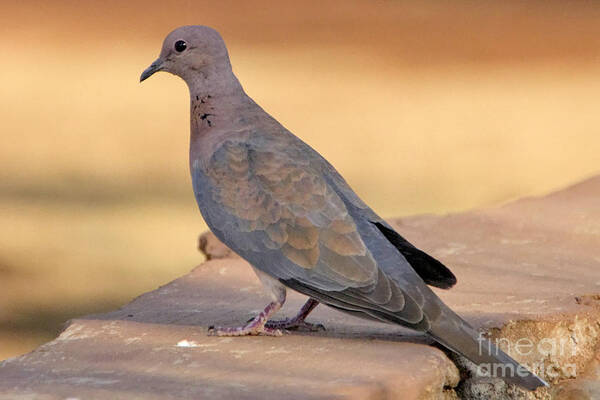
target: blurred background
424 106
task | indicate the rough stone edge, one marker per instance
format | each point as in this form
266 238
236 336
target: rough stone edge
576 336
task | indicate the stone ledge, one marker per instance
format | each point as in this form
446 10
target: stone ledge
529 270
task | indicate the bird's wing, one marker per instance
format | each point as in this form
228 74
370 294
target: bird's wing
432 271
270 203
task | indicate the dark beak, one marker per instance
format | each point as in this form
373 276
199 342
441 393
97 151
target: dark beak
154 67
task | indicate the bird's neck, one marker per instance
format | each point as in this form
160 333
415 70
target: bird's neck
217 80
214 94
217 103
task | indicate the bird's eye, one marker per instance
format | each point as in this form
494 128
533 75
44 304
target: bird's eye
180 46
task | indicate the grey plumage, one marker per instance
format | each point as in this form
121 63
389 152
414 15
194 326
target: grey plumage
281 206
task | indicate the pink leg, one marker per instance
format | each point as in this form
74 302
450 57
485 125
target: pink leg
255 326
298 322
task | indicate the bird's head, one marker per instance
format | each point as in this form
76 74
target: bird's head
192 53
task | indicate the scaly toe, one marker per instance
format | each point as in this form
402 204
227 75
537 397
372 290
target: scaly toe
271 332
292 325
243 331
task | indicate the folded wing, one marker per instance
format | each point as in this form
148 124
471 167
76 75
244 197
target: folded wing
276 209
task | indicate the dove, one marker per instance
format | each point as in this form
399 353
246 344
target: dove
287 211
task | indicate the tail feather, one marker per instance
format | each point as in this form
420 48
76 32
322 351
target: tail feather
456 335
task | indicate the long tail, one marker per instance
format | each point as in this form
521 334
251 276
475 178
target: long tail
456 335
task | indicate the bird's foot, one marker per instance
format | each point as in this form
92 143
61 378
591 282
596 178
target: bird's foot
298 322
254 327
247 330
295 324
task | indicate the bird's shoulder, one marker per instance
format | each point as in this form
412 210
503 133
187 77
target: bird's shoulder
277 164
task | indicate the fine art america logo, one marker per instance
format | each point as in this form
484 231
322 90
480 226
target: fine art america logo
550 348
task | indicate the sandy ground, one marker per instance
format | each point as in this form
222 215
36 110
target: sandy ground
425 107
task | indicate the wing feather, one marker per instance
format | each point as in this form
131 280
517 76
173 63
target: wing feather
275 208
